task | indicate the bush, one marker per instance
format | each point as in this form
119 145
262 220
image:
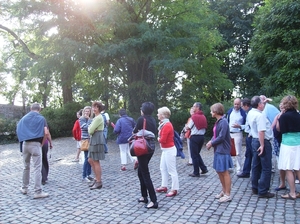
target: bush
61 120
8 130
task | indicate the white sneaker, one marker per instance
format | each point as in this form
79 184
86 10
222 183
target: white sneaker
86 180
225 198
218 196
24 190
40 195
296 181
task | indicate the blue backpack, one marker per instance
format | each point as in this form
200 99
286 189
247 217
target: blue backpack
178 144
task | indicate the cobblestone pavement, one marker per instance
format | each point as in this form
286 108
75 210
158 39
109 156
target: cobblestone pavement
71 200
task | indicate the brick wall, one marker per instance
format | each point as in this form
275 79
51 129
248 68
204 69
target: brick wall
11 111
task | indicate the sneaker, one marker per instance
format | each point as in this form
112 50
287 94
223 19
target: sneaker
218 196
296 181
24 190
75 160
86 180
40 195
225 198
90 178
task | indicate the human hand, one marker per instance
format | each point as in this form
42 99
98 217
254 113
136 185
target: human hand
260 150
112 124
208 145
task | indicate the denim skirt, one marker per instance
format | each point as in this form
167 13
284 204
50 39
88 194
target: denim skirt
222 162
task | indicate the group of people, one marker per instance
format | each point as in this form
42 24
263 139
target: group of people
251 116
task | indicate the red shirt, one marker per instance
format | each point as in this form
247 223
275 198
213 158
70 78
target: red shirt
76 131
166 136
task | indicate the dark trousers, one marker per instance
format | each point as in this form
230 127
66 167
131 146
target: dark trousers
45 163
248 155
144 177
196 143
261 167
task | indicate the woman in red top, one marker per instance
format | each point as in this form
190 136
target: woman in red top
169 151
77 135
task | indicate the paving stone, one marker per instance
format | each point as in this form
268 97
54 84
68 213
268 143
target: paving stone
71 200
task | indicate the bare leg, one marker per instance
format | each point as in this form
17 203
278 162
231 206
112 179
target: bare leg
282 178
291 181
78 153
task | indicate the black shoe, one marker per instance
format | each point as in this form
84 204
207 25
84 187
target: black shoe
254 191
267 195
144 200
204 172
243 175
154 205
194 175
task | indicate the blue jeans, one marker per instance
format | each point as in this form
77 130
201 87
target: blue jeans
105 132
196 143
261 167
87 169
248 155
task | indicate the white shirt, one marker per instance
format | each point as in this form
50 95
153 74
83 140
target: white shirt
235 117
259 122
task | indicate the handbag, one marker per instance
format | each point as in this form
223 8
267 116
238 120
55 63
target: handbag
84 145
187 134
142 142
232 147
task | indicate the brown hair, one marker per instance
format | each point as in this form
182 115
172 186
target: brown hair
99 105
218 108
289 102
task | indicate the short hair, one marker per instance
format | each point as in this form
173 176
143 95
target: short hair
218 108
255 101
147 108
122 112
289 102
199 105
35 106
246 102
98 105
165 112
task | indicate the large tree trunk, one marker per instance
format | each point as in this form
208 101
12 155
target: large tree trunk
141 85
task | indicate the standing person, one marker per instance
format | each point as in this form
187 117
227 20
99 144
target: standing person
197 125
236 118
190 162
45 162
276 150
106 124
32 131
123 129
262 134
169 152
289 157
246 106
76 131
85 120
221 143
97 142
271 112
143 168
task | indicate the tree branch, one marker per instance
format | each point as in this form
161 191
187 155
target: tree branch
24 46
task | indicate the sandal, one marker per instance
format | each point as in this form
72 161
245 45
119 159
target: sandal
288 196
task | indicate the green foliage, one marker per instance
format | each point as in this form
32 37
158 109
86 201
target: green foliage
275 46
8 130
61 120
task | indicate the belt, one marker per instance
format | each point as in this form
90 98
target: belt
235 132
264 139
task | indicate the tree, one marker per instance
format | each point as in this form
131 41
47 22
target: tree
237 31
275 48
